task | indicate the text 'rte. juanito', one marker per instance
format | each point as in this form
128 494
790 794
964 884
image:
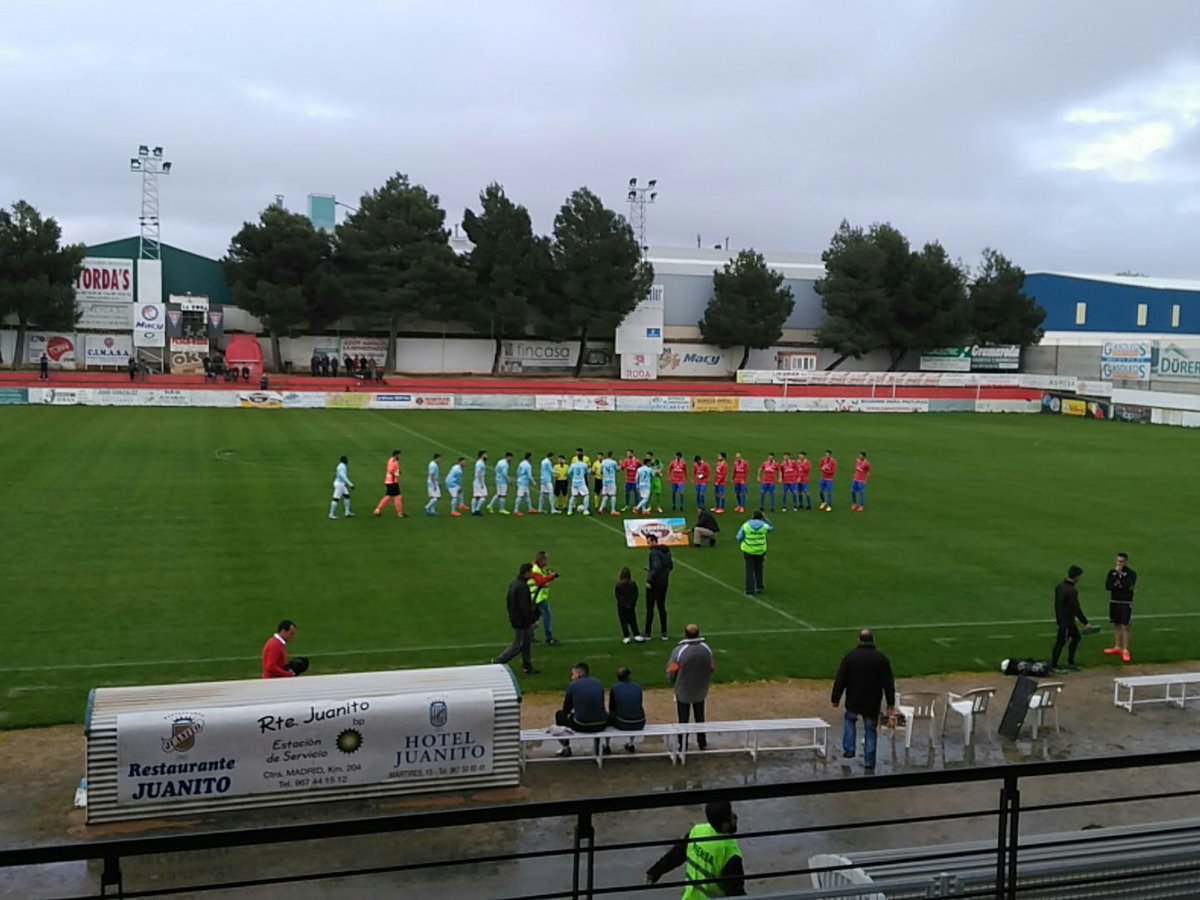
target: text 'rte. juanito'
315 714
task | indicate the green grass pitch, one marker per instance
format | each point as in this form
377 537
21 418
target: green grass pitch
155 546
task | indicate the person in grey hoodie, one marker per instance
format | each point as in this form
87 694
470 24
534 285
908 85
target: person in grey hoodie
689 671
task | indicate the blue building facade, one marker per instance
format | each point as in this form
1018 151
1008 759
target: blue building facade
1116 304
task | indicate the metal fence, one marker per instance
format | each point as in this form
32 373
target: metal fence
1138 862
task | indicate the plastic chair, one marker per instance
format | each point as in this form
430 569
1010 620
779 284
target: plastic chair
968 705
847 875
917 705
1044 698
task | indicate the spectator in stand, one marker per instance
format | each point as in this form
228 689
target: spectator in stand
583 705
704 534
627 599
132 368
245 373
333 367
625 709
349 365
324 366
315 364
690 671
44 368
207 363
274 654
379 374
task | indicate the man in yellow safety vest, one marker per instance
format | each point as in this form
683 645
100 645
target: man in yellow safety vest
712 859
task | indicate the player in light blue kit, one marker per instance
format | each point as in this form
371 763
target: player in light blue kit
645 474
578 473
479 485
501 485
524 481
433 485
454 486
342 486
608 485
546 486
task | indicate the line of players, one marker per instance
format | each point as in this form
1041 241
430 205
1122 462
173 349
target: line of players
561 483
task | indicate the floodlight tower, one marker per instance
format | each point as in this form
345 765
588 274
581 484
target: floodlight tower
149 164
639 198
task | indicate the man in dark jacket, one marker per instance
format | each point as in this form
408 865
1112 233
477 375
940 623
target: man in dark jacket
658 579
1066 612
583 706
865 676
521 615
705 531
625 709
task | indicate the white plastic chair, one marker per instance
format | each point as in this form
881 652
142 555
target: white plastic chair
917 705
1044 698
846 876
968 705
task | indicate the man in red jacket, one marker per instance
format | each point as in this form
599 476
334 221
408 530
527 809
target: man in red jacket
274 654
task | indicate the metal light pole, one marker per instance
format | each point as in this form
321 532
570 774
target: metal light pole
639 198
149 164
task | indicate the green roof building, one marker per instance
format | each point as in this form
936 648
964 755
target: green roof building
182 272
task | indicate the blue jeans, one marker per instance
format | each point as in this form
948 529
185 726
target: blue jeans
850 736
547 620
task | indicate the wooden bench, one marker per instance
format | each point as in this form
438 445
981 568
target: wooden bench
1167 682
812 733
533 737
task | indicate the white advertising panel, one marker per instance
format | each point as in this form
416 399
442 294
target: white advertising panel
1176 362
370 347
303 400
697 361
149 281
948 359
644 325
299 747
1128 360
112 316
411 401
107 349
639 366
593 403
59 349
150 325
118 397
103 280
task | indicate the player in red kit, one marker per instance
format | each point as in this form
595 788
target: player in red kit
858 487
677 473
719 477
789 473
805 466
768 474
701 473
741 477
630 464
828 466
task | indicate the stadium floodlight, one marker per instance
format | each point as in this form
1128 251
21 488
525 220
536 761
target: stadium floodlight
631 196
633 182
653 182
653 195
143 150
639 198
135 165
166 168
158 152
149 164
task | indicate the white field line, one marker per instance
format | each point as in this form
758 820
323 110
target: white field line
849 630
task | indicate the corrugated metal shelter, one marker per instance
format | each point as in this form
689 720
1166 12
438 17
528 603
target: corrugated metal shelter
183 272
106 704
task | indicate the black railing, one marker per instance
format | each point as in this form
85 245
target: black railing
583 849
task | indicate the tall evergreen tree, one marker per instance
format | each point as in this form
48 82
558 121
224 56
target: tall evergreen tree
1001 313
854 295
748 307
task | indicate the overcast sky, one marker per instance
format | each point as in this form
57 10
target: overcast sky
1065 134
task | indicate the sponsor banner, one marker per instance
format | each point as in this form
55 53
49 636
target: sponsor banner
495 401
1000 358
517 356
59 348
1056 404
948 359
756 404
303 400
697 361
107 349
634 404
299 747
172 397
117 397
216 325
1007 406
1173 362
411 401
189 344
14 396
188 362
1094 388
1050 382
554 402
58 396
670 532
714 404
884 405
189 302
107 316
214 399
150 325
951 406
593 403
670 404
1127 360
371 348
347 400
1124 412
260 400
639 366
1072 406
103 280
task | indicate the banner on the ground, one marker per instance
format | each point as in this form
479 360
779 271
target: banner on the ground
300 747
59 348
670 532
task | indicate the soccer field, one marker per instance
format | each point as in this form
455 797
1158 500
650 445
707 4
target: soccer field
149 546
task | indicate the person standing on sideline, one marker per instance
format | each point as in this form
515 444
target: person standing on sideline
540 578
44 368
630 465
768 472
391 486
713 865
454 486
701 472
689 670
720 476
583 705
502 467
704 534
274 653
433 485
342 485
1120 583
479 484
522 614
805 467
741 479
828 466
546 486
524 483
752 539
608 485
626 593
865 677
626 711
645 478
858 486
658 580
1066 612
677 472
